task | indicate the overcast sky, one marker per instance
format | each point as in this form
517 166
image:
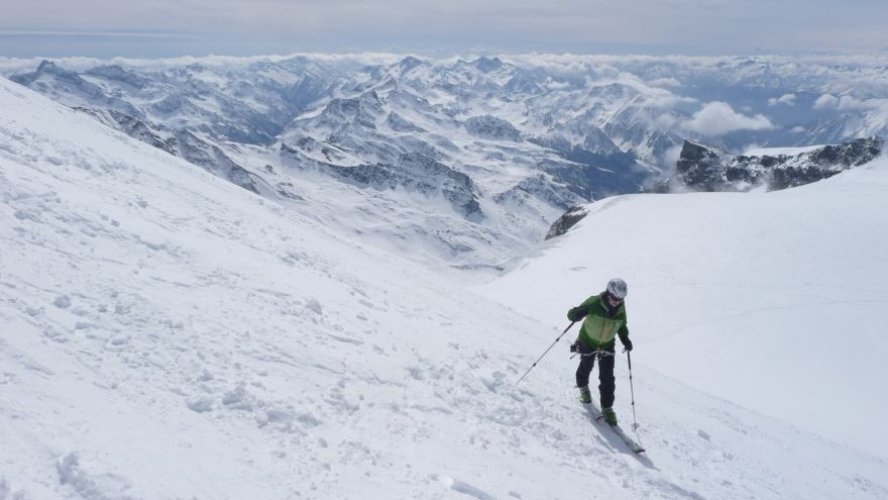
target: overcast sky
162 28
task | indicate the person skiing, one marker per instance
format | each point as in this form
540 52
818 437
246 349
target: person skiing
605 319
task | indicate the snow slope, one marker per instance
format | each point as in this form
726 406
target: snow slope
774 301
165 334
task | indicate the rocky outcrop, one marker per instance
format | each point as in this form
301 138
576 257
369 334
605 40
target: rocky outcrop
491 127
50 71
488 64
212 159
540 187
121 75
398 123
71 89
701 168
567 220
411 171
181 143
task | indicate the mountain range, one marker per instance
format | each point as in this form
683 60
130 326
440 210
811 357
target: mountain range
466 162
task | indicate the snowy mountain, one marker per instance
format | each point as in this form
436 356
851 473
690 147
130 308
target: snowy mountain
167 334
476 156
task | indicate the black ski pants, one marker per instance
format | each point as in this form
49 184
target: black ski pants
605 356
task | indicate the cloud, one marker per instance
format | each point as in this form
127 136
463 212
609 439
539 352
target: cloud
598 26
849 103
873 118
665 82
826 101
785 99
717 118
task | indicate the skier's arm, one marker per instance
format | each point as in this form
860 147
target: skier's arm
577 313
623 332
580 312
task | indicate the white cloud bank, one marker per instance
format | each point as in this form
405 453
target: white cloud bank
785 99
849 103
717 118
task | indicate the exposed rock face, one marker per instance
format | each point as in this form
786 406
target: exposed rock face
568 220
400 124
182 143
121 75
178 98
539 187
490 127
209 156
413 172
487 64
828 161
699 166
705 169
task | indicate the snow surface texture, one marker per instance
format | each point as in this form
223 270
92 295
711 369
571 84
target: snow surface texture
165 334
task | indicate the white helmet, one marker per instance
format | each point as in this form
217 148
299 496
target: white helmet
617 288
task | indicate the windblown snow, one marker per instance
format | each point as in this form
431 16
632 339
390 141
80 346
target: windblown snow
165 334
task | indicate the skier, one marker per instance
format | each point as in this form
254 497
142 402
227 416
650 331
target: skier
605 319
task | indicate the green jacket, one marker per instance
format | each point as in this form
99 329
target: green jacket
601 324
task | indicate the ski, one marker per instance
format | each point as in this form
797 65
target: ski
633 446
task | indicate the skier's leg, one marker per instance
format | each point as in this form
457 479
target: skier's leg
587 362
606 384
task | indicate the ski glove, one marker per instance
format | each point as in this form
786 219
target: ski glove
577 313
574 347
627 344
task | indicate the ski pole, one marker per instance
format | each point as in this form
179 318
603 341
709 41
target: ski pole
547 352
632 392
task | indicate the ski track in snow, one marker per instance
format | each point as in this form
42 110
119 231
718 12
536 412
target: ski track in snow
167 335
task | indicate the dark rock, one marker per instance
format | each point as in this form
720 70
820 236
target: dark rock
183 144
398 123
491 127
704 169
699 166
119 74
209 156
542 188
567 220
412 171
488 64
408 63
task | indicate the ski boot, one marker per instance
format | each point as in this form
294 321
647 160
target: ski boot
609 416
585 395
